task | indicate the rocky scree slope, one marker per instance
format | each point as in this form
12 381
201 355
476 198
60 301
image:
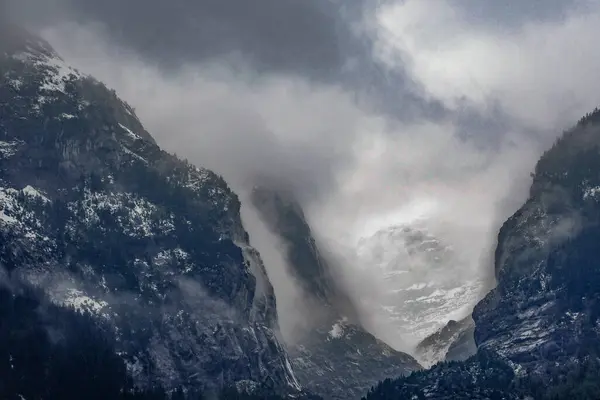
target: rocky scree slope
96 215
545 307
335 356
542 319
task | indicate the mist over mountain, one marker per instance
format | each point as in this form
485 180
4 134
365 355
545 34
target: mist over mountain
332 353
404 131
537 331
335 150
426 284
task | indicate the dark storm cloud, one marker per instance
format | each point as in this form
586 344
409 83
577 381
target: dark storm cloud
326 41
279 35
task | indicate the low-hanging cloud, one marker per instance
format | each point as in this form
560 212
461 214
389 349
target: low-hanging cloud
469 104
272 35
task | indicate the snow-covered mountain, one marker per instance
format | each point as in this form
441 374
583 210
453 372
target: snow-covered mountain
425 283
98 217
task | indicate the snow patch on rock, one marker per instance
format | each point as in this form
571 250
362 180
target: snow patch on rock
82 303
130 133
9 149
136 216
33 192
592 192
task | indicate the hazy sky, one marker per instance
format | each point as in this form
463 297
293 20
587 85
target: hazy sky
367 109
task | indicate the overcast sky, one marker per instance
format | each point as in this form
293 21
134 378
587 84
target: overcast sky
365 108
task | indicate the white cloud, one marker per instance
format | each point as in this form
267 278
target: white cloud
543 73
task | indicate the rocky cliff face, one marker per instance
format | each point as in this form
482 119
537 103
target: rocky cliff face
542 319
336 357
454 342
316 275
93 212
545 307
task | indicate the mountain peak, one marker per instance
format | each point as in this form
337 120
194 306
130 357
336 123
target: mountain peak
42 81
17 39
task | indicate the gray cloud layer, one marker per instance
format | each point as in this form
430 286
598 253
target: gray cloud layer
273 35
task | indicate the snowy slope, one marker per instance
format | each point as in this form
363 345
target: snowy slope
425 283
